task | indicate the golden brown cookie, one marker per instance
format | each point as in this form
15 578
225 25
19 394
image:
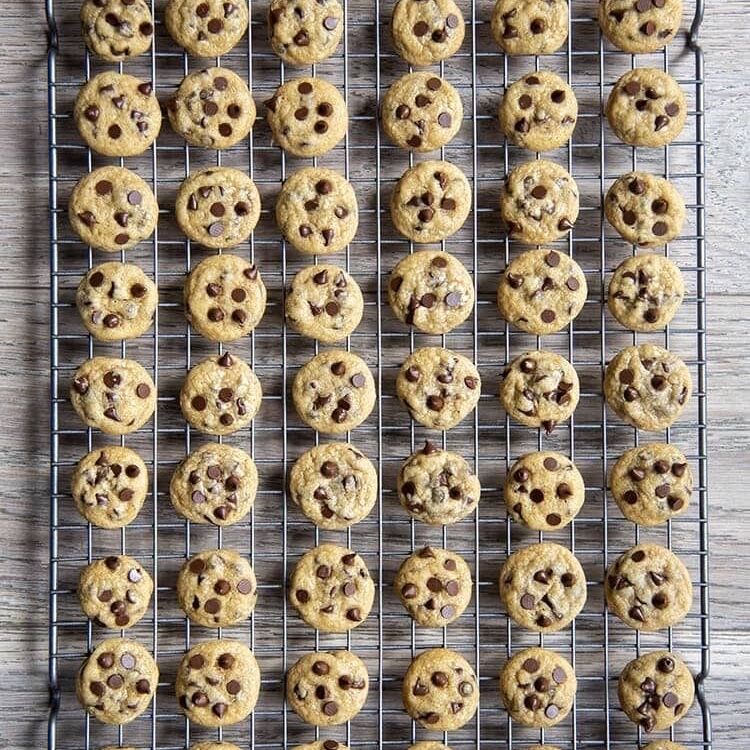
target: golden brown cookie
530 27
427 31
206 28
117 30
305 32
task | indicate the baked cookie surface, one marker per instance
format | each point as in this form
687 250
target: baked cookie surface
305 32
530 27
206 28
640 27
427 31
117 29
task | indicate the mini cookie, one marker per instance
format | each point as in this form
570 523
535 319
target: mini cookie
220 395
538 687
437 487
317 211
305 32
117 681
334 745
117 115
656 690
644 26
543 587
217 588
115 592
540 389
112 209
648 588
326 688
212 108
421 112
539 202
325 303
651 483
215 484
645 209
645 292
432 291
441 690
334 392
206 28
541 291
307 116
431 201
530 27
334 485
438 386
218 683
117 29
434 585
539 112
109 486
225 297
116 301
647 386
647 107
544 490
427 31
217 207
115 395
331 588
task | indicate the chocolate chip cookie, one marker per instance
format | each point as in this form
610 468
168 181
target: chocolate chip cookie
117 681
116 396
539 111
647 386
116 301
317 211
217 588
334 392
651 483
648 588
334 745
543 587
434 585
645 209
421 112
325 303
305 32
538 687
431 201
647 107
212 108
544 490
112 209
437 487
109 486
539 202
206 28
216 484
220 395
326 688
225 297
218 683
115 592
117 30
331 588
431 290
427 31
334 485
541 291
117 114
438 386
530 27
644 26
307 116
217 207
440 690
656 690
540 389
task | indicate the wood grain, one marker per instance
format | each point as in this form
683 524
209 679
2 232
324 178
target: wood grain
24 371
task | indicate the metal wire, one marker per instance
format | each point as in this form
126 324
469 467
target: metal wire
274 534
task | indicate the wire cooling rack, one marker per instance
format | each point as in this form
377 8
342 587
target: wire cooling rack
276 534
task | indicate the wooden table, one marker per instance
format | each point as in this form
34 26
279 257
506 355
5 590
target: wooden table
24 362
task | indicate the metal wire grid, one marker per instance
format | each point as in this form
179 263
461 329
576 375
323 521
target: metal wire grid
596 644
